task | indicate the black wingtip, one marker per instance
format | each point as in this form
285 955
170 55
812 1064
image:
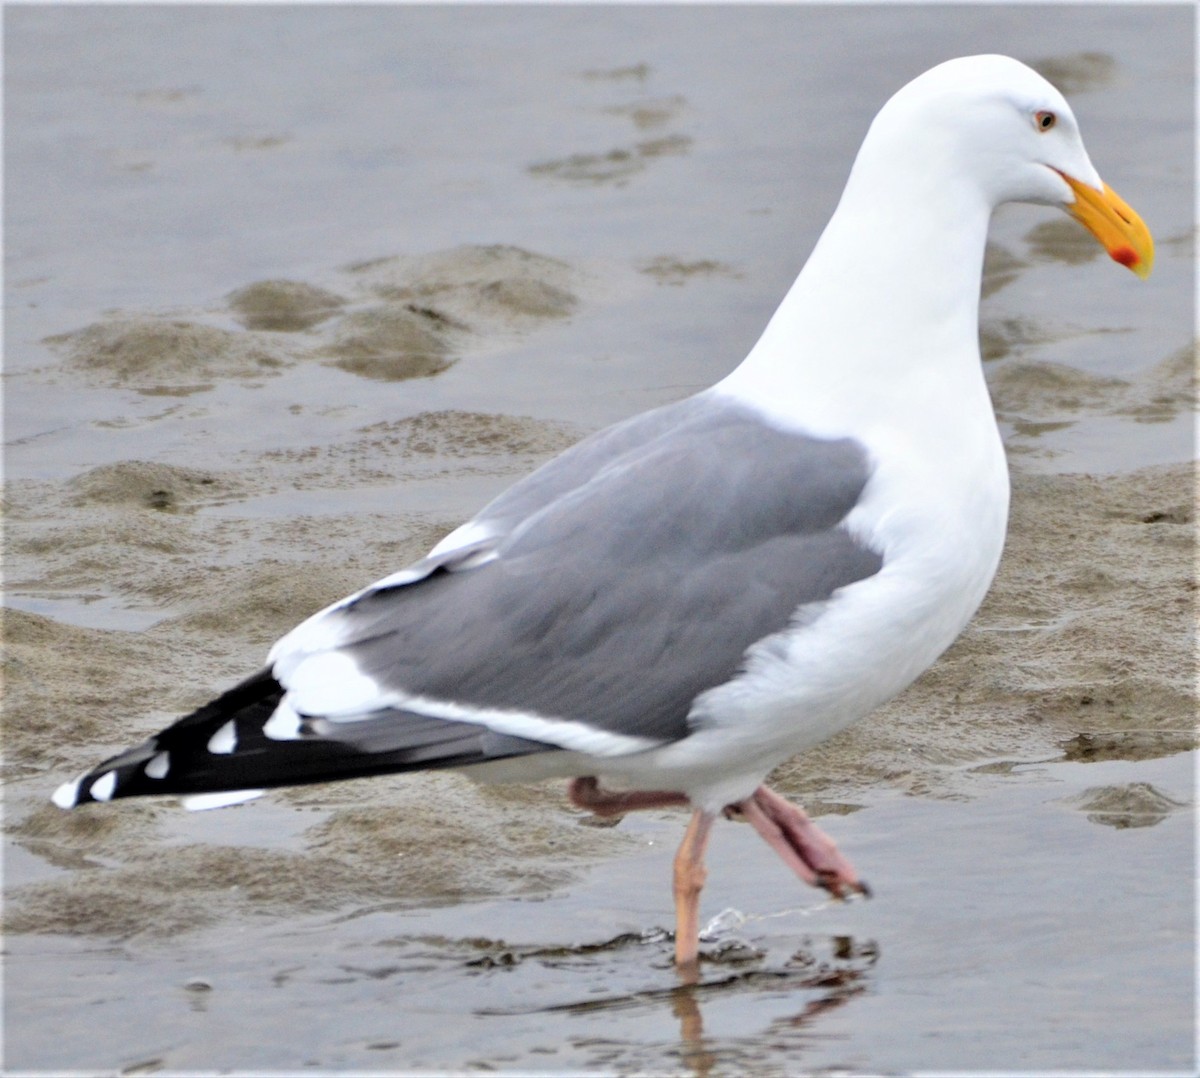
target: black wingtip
228 746
148 768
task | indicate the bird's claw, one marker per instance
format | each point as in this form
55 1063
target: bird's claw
839 887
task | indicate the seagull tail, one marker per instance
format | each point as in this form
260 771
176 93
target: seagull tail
244 742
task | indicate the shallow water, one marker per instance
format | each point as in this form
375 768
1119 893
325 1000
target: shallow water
1003 933
207 149
587 211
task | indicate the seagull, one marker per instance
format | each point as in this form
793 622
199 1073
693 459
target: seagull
682 601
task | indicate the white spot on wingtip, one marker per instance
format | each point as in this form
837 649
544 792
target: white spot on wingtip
224 741
158 766
67 795
104 787
204 802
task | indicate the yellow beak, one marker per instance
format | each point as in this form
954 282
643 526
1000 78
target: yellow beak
1108 217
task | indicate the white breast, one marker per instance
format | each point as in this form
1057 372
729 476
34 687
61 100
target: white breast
936 509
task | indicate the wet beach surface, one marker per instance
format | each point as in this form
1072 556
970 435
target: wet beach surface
290 293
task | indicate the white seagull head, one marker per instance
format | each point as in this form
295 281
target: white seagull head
1007 135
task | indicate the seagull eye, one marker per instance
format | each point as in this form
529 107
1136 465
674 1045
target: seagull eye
1045 120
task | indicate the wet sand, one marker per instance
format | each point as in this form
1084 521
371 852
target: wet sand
1082 653
188 479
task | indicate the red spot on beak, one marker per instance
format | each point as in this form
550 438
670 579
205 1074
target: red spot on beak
1125 255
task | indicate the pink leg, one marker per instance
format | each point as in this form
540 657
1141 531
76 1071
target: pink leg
585 793
804 847
690 874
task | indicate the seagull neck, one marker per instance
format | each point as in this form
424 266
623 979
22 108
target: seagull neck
889 298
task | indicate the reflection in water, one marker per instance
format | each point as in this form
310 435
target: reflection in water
696 1055
834 980
823 974
1094 747
1134 804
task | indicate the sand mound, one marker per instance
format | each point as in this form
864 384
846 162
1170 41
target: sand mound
146 484
391 343
460 435
283 306
435 308
151 354
484 288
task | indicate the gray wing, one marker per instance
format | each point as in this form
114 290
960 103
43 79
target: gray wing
624 579
603 594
